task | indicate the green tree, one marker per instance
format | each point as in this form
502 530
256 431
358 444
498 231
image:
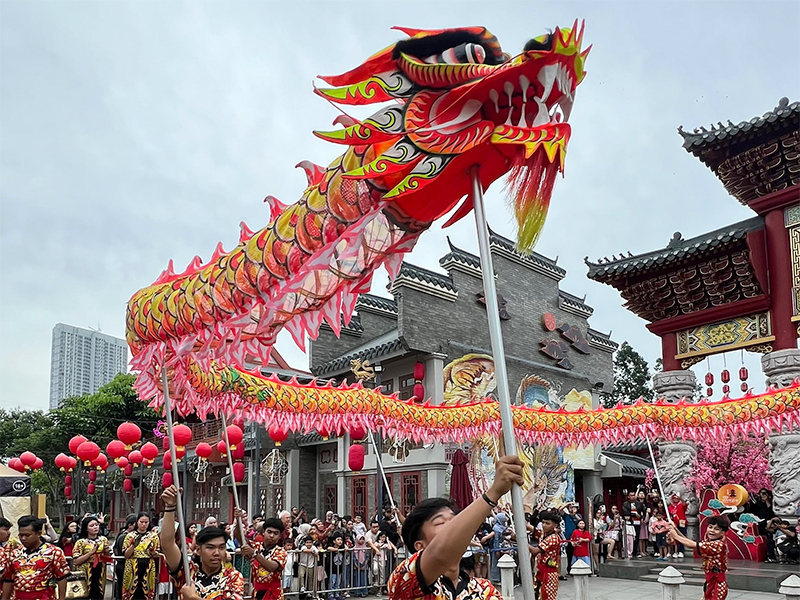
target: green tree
95 416
631 378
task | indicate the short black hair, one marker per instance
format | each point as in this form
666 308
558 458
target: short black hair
30 521
550 516
273 523
720 522
5 523
210 533
422 513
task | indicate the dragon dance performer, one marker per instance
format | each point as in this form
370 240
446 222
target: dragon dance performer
141 551
439 537
211 579
31 570
549 566
7 545
268 559
90 555
714 552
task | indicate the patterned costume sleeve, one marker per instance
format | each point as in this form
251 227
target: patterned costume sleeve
8 574
236 585
128 541
155 546
711 549
406 583
77 549
4 560
279 555
60 566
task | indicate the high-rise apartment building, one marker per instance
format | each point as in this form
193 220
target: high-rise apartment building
82 360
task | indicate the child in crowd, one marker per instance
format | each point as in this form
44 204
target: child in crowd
580 540
288 570
659 527
714 552
307 569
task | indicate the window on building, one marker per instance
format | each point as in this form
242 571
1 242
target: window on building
330 498
410 491
358 495
387 386
206 499
407 386
379 485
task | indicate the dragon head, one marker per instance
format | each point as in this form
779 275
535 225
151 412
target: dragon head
460 101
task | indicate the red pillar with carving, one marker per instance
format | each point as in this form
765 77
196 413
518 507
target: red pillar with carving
780 280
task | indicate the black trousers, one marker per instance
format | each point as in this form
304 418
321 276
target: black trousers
570 552
97 582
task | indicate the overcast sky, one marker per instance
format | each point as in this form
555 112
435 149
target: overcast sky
136 132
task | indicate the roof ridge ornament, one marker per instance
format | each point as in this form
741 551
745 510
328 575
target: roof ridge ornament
676 240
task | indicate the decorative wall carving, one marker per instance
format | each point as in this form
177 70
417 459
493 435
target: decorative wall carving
674 385
785 474
781 366
750 330
675 463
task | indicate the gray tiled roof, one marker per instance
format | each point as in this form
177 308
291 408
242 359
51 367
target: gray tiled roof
459 255
383 345
677 251
533 259
601 340
378 303
424 275
634 466
574 304
702 139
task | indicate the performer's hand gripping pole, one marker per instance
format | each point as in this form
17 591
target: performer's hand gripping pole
504 396
233 477
175 479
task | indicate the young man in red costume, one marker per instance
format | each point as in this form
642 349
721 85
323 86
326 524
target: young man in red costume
36 569
268 560
714 552
549 550
438 537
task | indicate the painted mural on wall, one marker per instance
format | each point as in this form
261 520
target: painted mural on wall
550 469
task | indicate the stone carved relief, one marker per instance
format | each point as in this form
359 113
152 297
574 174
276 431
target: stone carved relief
781 366
784 469
674 385
675 463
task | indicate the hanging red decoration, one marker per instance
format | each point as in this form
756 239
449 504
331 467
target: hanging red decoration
16 464
166 462
278 433
725 376
27 459
180 452
744 387
709 379
87 452
419 371
357 433
323 431
128 470
149 451
68 491
235 435
183 435
203 450
90 488
239 422
419 388
743 373
75 442
37 464
166 479
135 457
709 392
62 462
238 472
222 448
101 462
127 485
115 449
355 457
72 463
129 433
726 389
122 462
165 443
92 475
419 392
68 480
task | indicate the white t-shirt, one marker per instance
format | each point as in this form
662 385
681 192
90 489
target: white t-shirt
288 569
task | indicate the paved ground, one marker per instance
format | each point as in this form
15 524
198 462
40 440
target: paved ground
604 588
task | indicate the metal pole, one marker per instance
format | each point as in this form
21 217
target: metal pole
378 447
140 502
185 469
233 478
174 459
381 470
77 481
105 486
501 376
257 474
658 477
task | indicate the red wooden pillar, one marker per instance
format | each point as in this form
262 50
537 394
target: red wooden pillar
780 279
669 348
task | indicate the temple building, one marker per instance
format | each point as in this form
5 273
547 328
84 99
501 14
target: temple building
737 287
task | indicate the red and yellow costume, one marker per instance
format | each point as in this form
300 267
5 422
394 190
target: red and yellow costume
7 550
715 565
548 567
225 584
407 583
140 569
267 584
34 573
94 568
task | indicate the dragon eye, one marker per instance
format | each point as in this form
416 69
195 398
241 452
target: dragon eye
461 54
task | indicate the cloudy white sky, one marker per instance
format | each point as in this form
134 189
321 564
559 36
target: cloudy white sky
136 132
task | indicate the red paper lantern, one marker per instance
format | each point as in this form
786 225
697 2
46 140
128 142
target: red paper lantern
237 453
75 442
278 433
323 431
726 389
166 479
725 376
129 433
90 488
235 435
92 475
149 451
238 472
101 462
743 374
183 435
37 464
222 448
72 463
355 457
68 480
128 470
357 433
122 462
115 449
68 491
127 485
419 392
419 371
180 452
166 462
744 387
16 464
27 458
87 452
135 457
165 443
203 450
709 392
709 379
62 461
